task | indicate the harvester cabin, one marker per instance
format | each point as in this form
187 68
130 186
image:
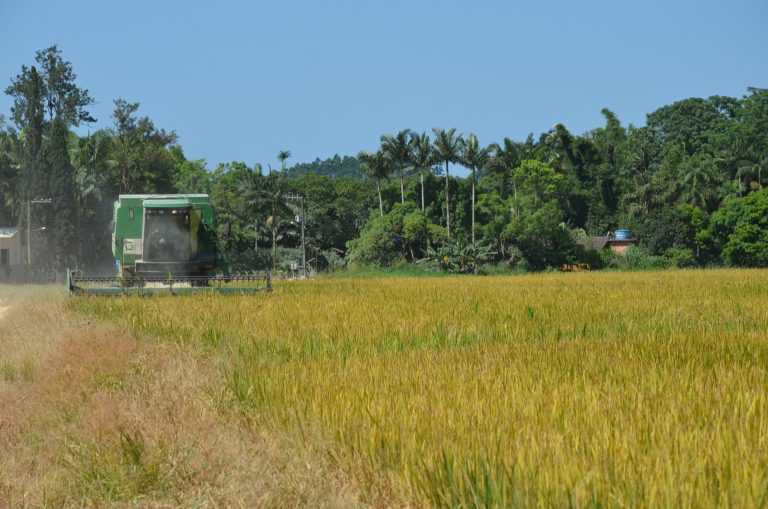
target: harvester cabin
11 269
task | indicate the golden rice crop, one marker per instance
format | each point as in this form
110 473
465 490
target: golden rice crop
613 389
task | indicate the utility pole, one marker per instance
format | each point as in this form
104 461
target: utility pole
303 223
29 229
303 246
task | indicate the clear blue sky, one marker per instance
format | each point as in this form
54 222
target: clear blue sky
242 80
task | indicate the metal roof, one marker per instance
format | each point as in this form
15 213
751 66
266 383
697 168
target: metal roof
593 242
7 232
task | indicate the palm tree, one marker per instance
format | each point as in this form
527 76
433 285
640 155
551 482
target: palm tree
556 148
447 149
377 166
92 160
422 157
754 164
398 149
283 156
267 196
474 158
506 157
698 179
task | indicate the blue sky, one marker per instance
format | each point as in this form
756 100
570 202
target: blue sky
243 80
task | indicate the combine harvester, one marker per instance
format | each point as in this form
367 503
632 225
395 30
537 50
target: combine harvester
164 244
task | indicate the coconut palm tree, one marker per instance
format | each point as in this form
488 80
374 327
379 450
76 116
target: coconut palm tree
447 148
474 158
422 156
377 166
398 150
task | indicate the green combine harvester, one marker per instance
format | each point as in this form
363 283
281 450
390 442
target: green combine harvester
164 244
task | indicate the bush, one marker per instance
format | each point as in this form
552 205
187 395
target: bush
680 258
740 230
635 259
593 257
330 261
376 245
401 234
541 237
459 257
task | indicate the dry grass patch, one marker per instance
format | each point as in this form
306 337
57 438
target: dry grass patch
105 419
26 315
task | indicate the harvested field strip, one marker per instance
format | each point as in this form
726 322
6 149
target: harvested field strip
91 417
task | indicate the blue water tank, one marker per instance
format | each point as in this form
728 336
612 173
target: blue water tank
623 235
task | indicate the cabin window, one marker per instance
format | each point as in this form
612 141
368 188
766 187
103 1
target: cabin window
4 258
130 213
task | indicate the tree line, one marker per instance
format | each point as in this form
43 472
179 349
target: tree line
690 184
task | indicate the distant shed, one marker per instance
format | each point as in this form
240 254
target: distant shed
619 246
11 269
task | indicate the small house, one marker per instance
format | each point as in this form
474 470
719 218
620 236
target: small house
11 268
618 243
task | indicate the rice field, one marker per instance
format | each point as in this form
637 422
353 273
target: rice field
588 389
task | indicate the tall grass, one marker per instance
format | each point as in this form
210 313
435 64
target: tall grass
557 389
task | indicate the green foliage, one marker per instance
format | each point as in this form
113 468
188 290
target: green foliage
596 259
740 231
540 181
458 257
58 95
142 161
268 204
333 167
336 209
376 245
693 124
635 259
423 158
330 261
493 214
10 182
692 162
446 149
540 235
62 211
189 176
671 227
699 181
416 229
437 234
680 258
404 233
397 149
376 166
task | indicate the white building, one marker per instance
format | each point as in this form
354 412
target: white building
11 269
